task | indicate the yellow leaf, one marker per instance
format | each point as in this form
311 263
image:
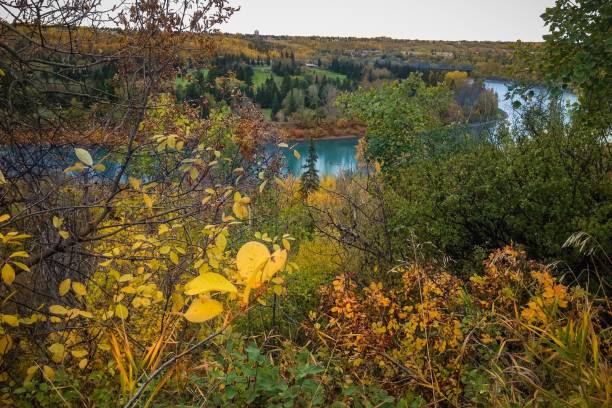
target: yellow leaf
64 287
163 228
21 265
135 183
83 363
174 258
4 217
19 254
79 288
297 154
126 278
202 310
276 264
147 200
121 311
262 186
79 353
6 344
64 234
11 320
57 222
30 373
240 210
209 282
251 257
77 167
57 348
171 142
58 309
85 314
58 352
8 274
286 244
84 156
2 179
48 373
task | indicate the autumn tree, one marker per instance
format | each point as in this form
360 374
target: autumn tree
119 207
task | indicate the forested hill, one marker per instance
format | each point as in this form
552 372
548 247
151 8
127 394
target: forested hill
489 58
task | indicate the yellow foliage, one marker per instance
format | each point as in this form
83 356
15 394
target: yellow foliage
202 310
209 282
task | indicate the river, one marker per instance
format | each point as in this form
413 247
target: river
338 155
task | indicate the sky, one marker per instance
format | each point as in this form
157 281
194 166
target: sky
495 20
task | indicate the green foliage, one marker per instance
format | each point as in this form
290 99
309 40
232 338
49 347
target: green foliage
250 378
578 53
535 184
397 114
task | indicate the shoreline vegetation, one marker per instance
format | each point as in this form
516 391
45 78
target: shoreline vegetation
324 131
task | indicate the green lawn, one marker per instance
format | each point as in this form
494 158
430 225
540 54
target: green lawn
324 72
261 74
267 114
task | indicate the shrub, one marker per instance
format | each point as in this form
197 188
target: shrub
509 337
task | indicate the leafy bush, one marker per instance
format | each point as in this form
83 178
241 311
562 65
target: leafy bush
534 184
510 337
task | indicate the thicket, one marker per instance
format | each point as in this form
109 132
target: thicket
154 256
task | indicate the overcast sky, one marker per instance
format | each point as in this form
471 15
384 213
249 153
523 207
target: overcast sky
498 20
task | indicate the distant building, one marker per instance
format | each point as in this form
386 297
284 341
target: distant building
257 33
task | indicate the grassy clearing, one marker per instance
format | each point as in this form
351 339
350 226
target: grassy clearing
320 72
261 74
267 114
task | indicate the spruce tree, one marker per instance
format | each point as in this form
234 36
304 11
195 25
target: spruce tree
285 86
292 106
276 105
310 178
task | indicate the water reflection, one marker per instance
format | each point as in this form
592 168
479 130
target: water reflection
335 156
501 88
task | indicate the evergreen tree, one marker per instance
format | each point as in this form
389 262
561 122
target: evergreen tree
285 86
276 105
291 104
310 178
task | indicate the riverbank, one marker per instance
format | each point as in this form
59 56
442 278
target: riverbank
339 129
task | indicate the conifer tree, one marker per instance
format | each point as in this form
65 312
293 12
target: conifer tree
310 178
285 86
276 105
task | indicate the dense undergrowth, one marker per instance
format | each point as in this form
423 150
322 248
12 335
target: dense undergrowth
181 267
